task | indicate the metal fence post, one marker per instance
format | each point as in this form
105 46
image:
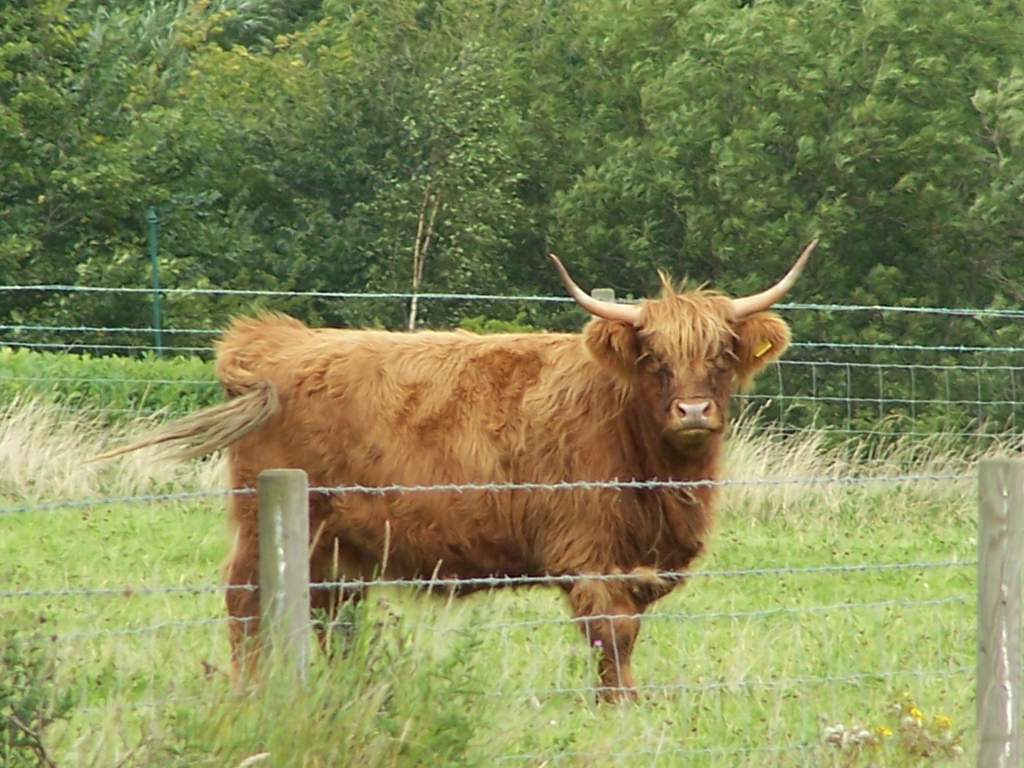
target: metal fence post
152 220
1000 556
283 499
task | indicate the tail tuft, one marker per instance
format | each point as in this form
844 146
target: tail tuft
211 429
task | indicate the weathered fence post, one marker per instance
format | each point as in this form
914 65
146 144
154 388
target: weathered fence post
603 294
153 221
283 499
1000 556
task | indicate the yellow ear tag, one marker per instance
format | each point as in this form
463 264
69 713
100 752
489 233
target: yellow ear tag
760 351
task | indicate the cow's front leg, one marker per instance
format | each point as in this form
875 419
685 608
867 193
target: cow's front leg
609 618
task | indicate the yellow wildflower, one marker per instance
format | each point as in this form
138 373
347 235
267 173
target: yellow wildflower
917 714
942 722
883 731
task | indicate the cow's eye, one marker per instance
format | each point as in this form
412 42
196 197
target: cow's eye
650 364
724 362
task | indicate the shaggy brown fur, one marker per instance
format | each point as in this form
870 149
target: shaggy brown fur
378 408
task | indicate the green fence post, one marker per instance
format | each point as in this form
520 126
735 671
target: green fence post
151 217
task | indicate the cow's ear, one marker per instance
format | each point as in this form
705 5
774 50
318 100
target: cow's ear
760 339
614 344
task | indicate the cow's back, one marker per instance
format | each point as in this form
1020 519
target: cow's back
374 408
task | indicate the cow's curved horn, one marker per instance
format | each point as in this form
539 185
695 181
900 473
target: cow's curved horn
759 302
622 312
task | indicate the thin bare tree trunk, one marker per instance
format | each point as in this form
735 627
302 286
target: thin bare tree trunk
424 231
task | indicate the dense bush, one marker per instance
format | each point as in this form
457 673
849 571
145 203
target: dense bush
351 145
114 385
29 699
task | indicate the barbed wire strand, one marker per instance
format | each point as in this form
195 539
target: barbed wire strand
655 616
573 578
855 678
497 581
764 613
148 629
543 758
101 501
439 296
647 485
126 591
75 345
568 485
38 328
785 363
873 346
107 380
150 704
168 701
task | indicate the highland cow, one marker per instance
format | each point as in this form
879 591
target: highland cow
641 393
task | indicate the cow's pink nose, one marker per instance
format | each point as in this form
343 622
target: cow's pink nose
694 410
695 414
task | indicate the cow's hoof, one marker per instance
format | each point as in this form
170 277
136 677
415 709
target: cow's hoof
617 695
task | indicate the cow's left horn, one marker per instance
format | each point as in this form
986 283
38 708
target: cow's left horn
622 312
759 302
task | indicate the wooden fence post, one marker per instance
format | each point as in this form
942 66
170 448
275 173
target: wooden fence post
283 499
1000 555
603 294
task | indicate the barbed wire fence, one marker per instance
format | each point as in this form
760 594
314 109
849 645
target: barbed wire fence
819 383
941 659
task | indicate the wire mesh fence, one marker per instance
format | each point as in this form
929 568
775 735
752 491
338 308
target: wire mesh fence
964 384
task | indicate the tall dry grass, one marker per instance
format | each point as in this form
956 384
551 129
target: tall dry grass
829 466
46 452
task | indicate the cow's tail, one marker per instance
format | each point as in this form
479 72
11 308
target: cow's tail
212 428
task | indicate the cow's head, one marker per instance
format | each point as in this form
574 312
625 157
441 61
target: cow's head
684 353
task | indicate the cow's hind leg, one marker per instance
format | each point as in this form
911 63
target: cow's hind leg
243 604
609 617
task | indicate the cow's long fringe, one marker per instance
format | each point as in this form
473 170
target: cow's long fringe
210 429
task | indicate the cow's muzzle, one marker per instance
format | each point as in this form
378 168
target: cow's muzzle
692 423
696 416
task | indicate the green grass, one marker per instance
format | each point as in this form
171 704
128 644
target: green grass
501 678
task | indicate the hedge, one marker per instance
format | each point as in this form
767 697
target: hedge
111 385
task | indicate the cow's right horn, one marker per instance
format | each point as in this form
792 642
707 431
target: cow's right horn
624 313
759 302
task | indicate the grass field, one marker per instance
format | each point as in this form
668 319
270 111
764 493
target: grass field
736 669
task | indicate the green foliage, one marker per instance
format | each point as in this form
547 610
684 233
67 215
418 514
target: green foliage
115 384
296 146
29 703
481 324
396 696
752 130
